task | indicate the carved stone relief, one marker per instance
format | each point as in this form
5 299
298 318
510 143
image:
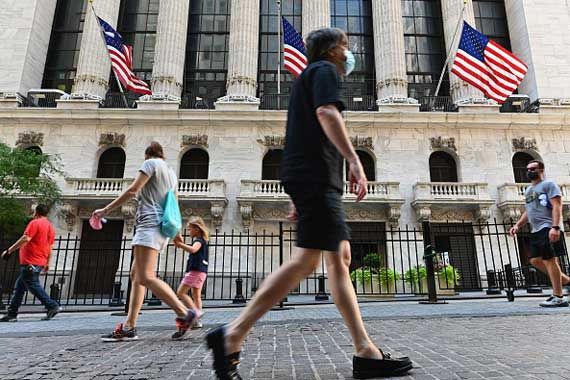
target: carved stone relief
443 143
273 141
524 144
30 138
112 139
362 142
195 140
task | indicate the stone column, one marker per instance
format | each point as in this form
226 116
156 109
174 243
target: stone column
316 15
461 92
94 68
26 30
243 57
390 57
169 55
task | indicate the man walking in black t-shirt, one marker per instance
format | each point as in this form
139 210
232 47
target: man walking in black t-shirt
315 144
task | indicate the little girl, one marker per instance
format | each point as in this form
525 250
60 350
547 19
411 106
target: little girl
196 267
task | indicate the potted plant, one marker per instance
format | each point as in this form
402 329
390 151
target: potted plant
417 278
373 261
363 277
387 278
446 279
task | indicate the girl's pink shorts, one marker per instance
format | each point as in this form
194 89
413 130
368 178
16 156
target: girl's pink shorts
194 279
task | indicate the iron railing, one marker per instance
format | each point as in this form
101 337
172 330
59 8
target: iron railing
437 104
42 98
353 103
117 100
479 257
191 101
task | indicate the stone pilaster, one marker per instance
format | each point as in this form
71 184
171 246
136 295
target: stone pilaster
243 57
316 15
390 57
170 51
94 67
461 92
26 30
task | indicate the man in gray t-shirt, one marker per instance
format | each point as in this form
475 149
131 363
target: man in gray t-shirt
543 204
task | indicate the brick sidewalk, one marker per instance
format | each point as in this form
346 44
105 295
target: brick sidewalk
524 343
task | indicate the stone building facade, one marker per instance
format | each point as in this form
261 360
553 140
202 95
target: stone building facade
410 154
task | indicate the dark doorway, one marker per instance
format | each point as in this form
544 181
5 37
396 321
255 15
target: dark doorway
9 269
194 164
111 163
520 161
442 167
455 245
367 164
99 255
271 167
368 239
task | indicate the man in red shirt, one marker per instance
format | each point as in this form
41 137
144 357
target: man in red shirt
35 249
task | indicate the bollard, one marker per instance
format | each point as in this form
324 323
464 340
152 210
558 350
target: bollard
239 298
429 254
533 287
492 288
54 292
321 295
117 299
510 282
2 305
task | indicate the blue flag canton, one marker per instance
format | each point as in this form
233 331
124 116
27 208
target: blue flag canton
112 37
292 37
473 42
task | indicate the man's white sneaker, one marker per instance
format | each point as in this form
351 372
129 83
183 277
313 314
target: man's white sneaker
555 301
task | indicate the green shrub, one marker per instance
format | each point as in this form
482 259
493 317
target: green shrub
388 276
449 274
372 260
361 275
416 274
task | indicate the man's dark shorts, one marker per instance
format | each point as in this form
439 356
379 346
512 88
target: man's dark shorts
320 216
541 247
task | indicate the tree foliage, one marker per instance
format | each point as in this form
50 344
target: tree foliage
24 174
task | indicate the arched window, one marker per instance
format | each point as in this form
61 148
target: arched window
442 167
37 150
520 161
194 164
111 163
271 169
368 165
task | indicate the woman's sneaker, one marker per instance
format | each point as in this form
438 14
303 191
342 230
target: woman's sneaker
121 335
555 301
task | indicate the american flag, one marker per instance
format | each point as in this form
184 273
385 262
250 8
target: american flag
295 59
122 60
487 65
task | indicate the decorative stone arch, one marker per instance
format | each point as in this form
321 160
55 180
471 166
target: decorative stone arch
101 152
454 159
369 162
519 161
271 163
190 171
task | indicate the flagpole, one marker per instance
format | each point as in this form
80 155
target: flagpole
451 48
102 34
279 23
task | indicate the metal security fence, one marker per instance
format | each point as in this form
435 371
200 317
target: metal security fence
385 262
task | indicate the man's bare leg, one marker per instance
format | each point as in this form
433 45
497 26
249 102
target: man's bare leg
273 289
538 263
346 302
555 275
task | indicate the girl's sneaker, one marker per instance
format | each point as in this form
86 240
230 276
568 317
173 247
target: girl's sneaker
186 323
121 335
198 325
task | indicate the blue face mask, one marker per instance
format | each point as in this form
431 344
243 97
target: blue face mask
349 63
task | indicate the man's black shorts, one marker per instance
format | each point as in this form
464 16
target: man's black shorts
320 216
540 245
